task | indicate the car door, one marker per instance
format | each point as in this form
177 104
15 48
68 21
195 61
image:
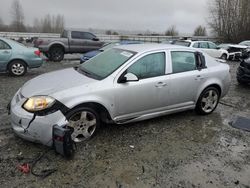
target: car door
77 42
144 96
92 41
5 55
185 79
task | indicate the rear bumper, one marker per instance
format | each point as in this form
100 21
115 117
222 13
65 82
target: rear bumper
35 63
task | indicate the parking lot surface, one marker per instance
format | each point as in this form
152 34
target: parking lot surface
180 150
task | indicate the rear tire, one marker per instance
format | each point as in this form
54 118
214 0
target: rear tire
208 101
56 54
17 68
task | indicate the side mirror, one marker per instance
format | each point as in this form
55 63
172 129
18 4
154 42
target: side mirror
95 39
128 77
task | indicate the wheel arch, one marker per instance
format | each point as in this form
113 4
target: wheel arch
16 59
100 109
216 85
57 45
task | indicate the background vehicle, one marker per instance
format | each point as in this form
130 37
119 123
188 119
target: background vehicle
107 46
243 72
15 58
71 41
245 43
235 51
207 46
125 84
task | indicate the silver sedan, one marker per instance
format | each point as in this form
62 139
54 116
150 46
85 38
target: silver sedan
125 84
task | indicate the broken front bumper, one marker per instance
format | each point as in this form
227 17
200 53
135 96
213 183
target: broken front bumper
33 128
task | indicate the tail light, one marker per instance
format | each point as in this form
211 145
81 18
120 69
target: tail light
38 53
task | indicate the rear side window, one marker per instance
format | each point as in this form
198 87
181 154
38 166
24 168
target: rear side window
149 66
4 45
196 45
212 45
183 61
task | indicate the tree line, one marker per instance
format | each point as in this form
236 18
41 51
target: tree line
230 20
48 24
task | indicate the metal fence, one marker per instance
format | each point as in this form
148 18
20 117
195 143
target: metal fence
105 38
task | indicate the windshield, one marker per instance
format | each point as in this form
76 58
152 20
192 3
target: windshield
108 46
182 43
106 63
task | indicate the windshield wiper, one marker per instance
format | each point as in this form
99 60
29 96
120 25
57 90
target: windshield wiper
87 73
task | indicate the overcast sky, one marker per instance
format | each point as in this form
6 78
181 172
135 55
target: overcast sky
134 15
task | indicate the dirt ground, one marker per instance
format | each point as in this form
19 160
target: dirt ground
180 150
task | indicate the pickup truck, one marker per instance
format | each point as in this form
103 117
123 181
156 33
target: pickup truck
71 41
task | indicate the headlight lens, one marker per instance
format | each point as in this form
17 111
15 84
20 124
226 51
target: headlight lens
38 103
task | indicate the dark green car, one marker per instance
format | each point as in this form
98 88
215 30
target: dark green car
16 58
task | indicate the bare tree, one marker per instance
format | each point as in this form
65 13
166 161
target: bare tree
230 20
172 31
49 24
200 31
17 15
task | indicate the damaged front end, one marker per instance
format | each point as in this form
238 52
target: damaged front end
243 72
36 126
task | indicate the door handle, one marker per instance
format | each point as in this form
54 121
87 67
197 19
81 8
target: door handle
161 84
6 52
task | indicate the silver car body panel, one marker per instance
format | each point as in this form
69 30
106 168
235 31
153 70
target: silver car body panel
125 102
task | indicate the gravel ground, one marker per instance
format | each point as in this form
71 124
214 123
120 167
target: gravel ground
180 150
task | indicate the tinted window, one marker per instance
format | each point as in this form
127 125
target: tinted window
203 45
75 35
212 45
183 61
88 36
3 45
106 62
149 66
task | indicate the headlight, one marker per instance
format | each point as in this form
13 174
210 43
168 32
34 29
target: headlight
38 103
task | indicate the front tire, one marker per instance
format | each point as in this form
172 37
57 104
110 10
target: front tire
17 68
208 101
224 56
84 123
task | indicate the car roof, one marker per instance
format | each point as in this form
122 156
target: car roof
150 47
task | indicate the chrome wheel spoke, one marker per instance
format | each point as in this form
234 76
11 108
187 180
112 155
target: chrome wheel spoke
83 115
84 125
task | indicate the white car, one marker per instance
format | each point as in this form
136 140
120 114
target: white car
125 84
207 46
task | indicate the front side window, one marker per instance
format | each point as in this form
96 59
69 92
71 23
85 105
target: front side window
183 61
4 46
88 36
203 45
149 66
106 62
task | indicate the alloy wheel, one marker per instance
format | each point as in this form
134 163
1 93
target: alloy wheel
84 124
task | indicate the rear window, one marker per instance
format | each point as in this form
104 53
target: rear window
182 43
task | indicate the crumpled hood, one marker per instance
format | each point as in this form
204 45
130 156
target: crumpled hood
53 82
